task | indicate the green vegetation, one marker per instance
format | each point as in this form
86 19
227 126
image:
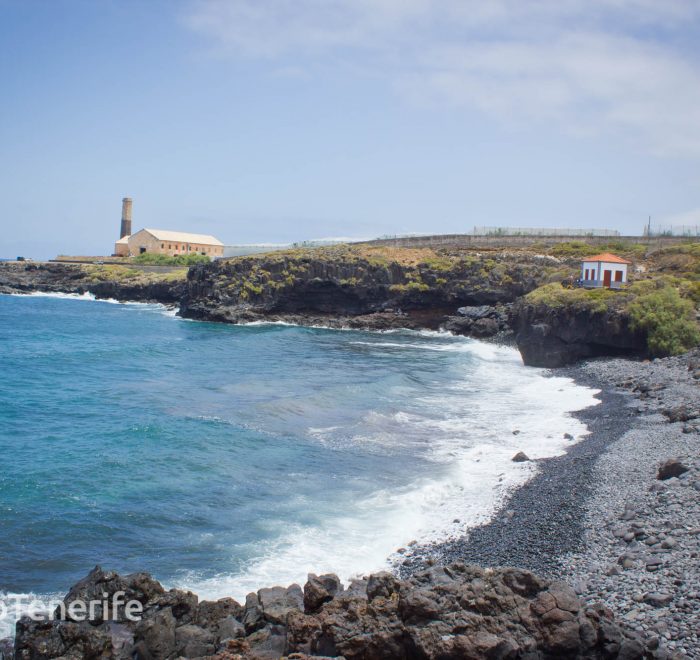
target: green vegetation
660 303
133 276
662 307
666 317
597 301
410 286
153 259
580 249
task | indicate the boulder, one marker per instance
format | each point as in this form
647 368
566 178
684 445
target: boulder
157 634
520 457
657 599
476 312
319 590
193 642
381 585
209 614
445 612
681 414
671 468
484 328
229 628
7 647
277 602
38 639
99 586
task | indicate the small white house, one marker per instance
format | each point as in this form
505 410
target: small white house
604 270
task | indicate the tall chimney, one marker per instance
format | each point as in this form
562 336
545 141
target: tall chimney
126 218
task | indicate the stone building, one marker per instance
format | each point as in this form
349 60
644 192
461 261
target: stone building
171 243
162 241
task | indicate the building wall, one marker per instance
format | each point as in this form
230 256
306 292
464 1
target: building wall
143 241
599 268
121 249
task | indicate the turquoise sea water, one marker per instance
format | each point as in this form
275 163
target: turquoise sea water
227 458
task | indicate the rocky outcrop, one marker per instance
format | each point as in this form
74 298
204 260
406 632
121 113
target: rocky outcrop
72 278
554 336
474 295
444 612
343 287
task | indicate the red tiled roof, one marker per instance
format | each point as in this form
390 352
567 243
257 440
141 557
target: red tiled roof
608 258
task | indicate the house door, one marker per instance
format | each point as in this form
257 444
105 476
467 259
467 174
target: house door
607 277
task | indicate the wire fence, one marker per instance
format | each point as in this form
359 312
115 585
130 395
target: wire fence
543 231
673 230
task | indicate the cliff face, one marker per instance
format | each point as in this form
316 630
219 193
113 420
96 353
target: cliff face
344 283
362 287
116 282
550 336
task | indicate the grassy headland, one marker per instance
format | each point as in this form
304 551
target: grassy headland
660 300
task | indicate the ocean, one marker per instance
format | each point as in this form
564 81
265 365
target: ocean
226 458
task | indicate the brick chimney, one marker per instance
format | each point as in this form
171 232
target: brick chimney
126 218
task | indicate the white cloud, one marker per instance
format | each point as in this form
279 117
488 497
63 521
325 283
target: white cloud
593 66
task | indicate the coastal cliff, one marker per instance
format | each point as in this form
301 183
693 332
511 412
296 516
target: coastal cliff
478 294
359 287
123 283
551 336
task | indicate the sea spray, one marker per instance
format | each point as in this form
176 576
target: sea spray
226 458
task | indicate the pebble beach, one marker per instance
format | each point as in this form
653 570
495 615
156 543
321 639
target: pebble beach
618 516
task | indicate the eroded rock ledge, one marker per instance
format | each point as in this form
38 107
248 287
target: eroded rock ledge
458 611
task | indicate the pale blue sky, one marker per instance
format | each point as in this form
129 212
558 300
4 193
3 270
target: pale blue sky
281 120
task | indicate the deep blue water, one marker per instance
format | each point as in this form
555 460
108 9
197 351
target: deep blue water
218 456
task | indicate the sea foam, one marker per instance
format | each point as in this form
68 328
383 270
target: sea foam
518 409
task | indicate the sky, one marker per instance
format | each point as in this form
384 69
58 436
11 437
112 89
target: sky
289 120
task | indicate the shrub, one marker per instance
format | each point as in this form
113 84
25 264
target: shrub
666 318
572 249
554 295
154 259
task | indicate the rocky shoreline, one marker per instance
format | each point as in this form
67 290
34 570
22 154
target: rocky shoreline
600 517
481 296
454 612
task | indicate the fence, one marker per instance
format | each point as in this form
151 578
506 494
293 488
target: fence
673 230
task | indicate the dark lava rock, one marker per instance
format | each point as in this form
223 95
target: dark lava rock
520 457
671 468
681 414
72 278
658 600
6 648
553 336
477 312
485 328
453 612
319 590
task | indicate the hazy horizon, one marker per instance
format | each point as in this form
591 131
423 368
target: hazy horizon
275 122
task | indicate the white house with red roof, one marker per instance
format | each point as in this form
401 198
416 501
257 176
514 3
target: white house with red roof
604 270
